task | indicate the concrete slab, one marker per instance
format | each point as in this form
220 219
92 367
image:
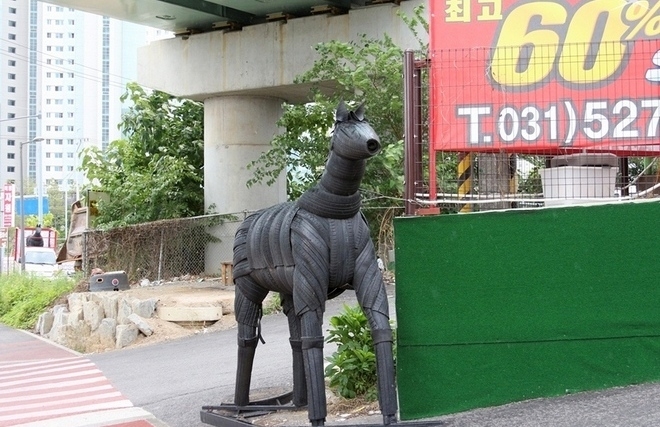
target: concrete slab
189 314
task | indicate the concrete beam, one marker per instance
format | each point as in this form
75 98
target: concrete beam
264 59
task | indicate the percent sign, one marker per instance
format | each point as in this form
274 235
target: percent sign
644 19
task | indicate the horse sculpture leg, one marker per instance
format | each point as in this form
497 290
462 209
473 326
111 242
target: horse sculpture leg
312 346
247 308
299 381
371 294
310 292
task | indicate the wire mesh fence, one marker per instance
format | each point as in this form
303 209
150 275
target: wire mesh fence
534 125
183 248
166 249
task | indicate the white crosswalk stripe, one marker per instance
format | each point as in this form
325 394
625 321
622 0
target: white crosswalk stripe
44 389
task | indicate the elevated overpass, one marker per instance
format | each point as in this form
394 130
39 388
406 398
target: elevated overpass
240 58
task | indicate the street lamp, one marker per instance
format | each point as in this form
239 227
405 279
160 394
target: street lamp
20 156
36 116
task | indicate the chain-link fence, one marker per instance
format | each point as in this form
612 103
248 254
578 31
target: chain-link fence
166 249
185 247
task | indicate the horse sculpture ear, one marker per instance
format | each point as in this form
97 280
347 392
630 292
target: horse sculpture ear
341 115
359 113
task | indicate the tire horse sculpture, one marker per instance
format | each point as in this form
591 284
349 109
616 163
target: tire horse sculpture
309 251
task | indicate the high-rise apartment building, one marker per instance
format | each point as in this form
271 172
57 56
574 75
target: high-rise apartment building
62 73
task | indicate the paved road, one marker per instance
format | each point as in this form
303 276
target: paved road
173 380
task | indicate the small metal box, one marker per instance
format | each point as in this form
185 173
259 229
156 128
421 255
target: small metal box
110 281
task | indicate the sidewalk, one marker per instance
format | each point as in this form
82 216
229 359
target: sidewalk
46 385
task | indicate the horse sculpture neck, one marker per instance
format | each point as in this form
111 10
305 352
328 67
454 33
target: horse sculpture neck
342 176
336 195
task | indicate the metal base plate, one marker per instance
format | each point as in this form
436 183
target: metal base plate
230 415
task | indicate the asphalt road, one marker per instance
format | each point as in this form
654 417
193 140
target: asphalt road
173 380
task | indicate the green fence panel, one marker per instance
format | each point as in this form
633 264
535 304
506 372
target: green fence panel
502 306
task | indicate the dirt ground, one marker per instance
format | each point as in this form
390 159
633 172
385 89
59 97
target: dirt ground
190 292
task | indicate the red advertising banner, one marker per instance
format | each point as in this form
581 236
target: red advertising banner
8 205
545 77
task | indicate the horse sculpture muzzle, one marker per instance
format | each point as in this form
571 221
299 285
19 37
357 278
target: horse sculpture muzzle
344 141
373 146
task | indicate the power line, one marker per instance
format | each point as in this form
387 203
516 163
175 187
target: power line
96 77
68 69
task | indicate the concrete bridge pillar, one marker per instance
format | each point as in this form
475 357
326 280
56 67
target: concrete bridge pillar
237 129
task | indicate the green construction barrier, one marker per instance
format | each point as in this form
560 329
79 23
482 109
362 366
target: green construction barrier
503 306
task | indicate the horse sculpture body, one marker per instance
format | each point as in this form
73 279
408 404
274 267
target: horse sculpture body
309 251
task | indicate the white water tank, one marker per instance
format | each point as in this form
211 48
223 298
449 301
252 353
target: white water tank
579 178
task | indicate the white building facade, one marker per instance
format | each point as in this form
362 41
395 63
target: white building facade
62 73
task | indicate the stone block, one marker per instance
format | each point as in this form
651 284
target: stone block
75 302
107 332
124 310
93 314
73 335
190 314
144 308
141 324
45 323
60 316
126 335
109 303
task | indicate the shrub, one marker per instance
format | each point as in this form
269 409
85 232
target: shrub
272 304
352 369
23 298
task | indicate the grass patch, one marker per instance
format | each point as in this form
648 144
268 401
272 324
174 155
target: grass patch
24 297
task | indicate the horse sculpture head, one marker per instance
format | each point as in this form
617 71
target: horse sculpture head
353 141
353 138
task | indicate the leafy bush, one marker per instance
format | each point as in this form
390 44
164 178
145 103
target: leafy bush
272 304
23 298
352 370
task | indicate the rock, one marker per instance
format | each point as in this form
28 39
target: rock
144 308
45 323
126 335
109 301
60 317
93 314
124 310
107 332
75 302
141 324
145 282
73 335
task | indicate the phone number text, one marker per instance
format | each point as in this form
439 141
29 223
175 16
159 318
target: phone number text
561 123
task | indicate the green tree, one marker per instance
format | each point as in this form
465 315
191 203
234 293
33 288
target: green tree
370 71
56 207
156 171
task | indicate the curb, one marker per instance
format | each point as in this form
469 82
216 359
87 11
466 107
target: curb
128 417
